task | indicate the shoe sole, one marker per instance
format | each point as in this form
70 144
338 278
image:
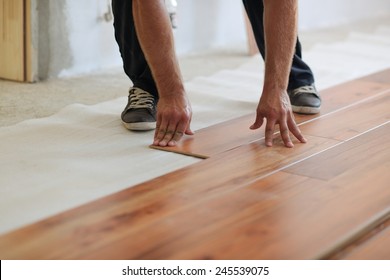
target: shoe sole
141 126
305 110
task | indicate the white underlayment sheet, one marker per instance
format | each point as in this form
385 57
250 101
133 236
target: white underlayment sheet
83 153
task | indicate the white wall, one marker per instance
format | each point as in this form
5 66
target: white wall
219 23
73 38
206 24
318 13
91 38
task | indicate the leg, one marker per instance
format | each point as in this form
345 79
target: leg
300 75
134 62
303 94
140 111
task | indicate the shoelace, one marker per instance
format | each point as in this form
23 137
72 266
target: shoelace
140 99
304 89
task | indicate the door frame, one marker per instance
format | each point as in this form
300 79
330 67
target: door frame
21 39
28 46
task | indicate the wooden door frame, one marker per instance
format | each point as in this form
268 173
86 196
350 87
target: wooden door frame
28 50
20 67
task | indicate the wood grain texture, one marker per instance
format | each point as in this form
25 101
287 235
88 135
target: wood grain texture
245 202
294 216
216 213
228 135
379 77
12 55
374 246
148 207
217 138
136 213
353 120
28 45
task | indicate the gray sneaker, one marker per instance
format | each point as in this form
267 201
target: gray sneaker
140 111
305 100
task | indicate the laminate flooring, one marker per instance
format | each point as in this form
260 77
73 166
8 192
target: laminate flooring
326 199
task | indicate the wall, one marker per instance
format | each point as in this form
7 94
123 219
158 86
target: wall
73 38
318 14
206 24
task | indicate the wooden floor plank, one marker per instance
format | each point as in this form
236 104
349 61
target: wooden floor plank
133 211
228 135
217 138
351 121
373 150
241 199
142 213
373 246
281 216
360 116
295 217
379 77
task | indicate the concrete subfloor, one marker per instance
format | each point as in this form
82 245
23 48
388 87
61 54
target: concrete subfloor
22 101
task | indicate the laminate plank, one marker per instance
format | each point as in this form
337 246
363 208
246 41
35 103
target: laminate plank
201 203
281 216
360 116
135 210
295 216
217 138
347 160
233 133
351 121
148 220
379 77
372 246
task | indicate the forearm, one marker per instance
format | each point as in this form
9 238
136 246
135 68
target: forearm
156 38
280 28
155 35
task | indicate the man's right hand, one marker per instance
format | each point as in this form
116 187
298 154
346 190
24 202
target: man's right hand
174 115
156 38
275 108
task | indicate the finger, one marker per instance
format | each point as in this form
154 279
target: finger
161 129
158 126
168 136
188 130
258 122
285 134
183 127
160 135
295 130
156 131
177 135
269 132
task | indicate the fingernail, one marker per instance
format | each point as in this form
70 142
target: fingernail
172 143
162 144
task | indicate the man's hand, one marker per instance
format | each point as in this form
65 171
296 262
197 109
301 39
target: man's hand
280 28
156 38
174 115
275 107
